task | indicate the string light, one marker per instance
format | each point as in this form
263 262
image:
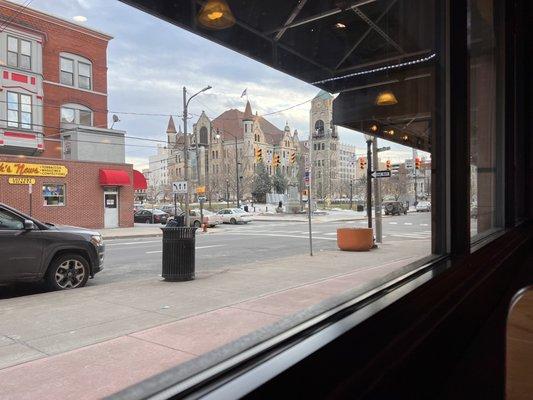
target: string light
370 71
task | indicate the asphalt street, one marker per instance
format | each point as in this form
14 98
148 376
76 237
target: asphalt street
230 245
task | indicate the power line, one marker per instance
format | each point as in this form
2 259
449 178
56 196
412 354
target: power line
15 14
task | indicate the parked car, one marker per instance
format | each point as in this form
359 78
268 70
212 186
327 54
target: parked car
394 208
169 209
137 207
234 216
210 218
159 217
31 250
423 206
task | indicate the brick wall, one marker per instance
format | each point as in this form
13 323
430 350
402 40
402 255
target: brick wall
84 204
63 36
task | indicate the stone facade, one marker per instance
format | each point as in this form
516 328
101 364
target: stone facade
234 135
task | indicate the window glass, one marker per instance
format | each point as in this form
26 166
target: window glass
67 71
54 195
68 115
84 75
12 44
10 222
19 110
85 117
486 132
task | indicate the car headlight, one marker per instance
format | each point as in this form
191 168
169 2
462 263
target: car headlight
97 240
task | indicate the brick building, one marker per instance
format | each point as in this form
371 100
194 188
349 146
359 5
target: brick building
53 111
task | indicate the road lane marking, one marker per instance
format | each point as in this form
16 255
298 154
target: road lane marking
393 223
408 223
424 224
131 243
281 235
197 248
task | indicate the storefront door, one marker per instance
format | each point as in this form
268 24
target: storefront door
111 209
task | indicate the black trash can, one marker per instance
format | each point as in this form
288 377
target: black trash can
246 208
360 207
178 253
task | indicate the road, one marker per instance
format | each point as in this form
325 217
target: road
230 245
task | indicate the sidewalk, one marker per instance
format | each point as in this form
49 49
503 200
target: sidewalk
89 337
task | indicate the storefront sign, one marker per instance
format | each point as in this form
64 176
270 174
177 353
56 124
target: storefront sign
21 181
26 169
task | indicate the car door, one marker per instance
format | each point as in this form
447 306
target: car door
21 250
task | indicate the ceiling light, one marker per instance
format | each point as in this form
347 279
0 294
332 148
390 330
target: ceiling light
216 14
405 137
386 98
340 25
79 18
374 128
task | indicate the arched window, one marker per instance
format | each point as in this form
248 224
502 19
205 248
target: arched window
76 114
319 127
203 135
75 71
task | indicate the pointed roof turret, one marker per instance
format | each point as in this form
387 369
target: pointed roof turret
323 95
248 116
287 128
171 127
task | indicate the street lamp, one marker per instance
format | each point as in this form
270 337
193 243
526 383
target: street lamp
217 136
186 147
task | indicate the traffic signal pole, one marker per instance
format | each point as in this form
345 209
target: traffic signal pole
377 193
369 182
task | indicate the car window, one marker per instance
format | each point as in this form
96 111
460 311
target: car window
9 221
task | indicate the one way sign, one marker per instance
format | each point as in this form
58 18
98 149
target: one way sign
179 187
381 174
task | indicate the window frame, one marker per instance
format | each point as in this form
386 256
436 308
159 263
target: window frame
18 52
78 109
76 61
64 196
19 124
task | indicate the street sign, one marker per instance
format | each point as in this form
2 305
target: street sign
381 174
383 148
179 187
200 190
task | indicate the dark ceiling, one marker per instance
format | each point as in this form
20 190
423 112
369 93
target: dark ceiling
301 39
380 44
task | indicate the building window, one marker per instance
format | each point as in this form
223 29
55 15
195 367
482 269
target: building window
67 71
54 195
76 114
75 71
323 146
19 110
18 52
319 127
203 135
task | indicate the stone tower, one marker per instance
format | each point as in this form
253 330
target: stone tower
325 147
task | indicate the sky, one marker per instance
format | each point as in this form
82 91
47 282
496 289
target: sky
150 60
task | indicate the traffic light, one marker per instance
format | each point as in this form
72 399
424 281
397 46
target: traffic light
417 162
258 154
362 162
275 161
387 164
293 158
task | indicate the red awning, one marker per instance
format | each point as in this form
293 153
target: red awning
139 181
114 177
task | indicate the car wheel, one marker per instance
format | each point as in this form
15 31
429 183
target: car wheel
69 271
233 221
196 224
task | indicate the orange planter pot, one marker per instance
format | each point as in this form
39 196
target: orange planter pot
355 239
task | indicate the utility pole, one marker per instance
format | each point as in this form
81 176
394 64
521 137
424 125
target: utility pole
377 193
414 175
237 170
369 179
227 192
309 193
